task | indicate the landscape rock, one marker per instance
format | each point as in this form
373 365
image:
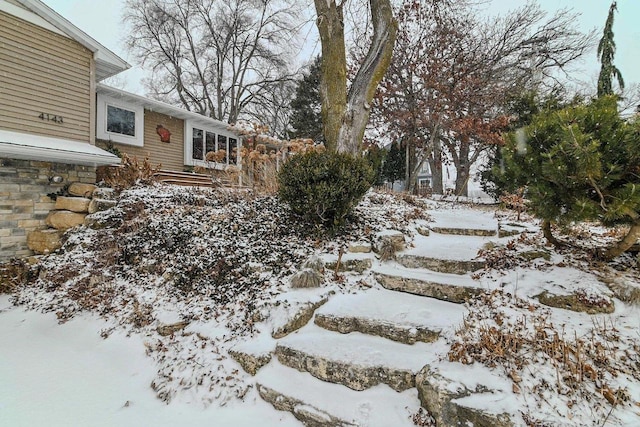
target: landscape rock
44 241
166 330
348 324
424 231
351 375
99 205
307 278
438 396
576 302
250 362
98 222
441 291
63 220
104 193
73 204
478 232
305 413
440 265
360 247
81 190
357 265
301 317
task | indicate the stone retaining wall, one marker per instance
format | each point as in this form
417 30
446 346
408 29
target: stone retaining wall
24 204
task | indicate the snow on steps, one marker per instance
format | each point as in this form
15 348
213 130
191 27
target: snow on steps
464 231
320 404
392 315
355 360
449 287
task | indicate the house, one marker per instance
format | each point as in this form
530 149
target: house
57 118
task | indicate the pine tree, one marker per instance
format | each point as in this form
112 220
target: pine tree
579 163
306 119
606 52
394 166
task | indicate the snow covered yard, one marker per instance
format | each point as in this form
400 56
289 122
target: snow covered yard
133 322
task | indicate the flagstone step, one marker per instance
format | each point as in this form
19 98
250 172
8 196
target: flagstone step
355 360
453 293
388 314
457 231
322 404
441 265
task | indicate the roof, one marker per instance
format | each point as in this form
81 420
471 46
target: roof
107 63
23 146
161 107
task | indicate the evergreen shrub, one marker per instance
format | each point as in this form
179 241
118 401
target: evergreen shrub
324 187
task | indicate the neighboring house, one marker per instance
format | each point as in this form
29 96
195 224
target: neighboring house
55 115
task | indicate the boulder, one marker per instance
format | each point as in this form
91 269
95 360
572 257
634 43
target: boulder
357 265
250 362
440 397
360 247
73 204
63 220
104 193
300 317
44 241
82 190
99 205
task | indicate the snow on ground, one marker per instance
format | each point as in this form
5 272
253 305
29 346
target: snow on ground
82 343
61 375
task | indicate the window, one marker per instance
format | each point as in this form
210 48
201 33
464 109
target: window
233 151
197 145
222 145
119 121
201 140
211 143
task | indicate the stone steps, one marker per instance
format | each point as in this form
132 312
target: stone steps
455 231
453 293
441 265
355 360
393 315
307 399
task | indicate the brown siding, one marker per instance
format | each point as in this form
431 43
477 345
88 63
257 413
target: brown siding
170 155
43 72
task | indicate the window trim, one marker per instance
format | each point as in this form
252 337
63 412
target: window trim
101 123
189 125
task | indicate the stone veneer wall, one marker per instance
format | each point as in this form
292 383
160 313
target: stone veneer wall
24 203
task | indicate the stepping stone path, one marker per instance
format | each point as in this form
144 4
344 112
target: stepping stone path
361 359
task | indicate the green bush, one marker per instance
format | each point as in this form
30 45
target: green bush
324 187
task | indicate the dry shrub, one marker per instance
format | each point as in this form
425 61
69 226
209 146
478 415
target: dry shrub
14 273
129 173
515 201
583 365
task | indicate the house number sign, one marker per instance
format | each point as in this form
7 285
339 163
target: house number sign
51 118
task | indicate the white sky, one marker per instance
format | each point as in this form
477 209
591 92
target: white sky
102 20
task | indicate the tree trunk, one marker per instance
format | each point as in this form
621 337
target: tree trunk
435 164
629 240
346 115
546 231
462 170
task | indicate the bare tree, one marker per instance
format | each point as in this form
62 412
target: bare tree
452 72
345 111
215 58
